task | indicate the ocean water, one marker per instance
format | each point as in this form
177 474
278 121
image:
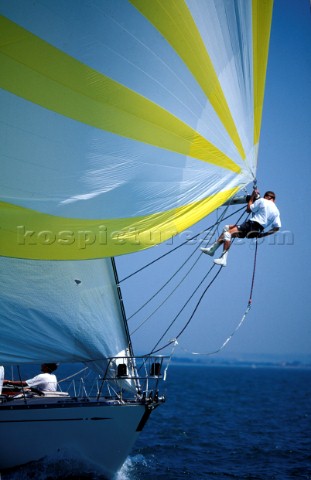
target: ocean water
218 423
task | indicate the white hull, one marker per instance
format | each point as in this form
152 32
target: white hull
101 432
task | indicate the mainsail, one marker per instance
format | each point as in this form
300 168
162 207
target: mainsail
64 311
123 123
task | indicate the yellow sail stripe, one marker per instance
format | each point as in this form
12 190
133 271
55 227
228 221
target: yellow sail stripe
70 88
26 233
173 19
262 17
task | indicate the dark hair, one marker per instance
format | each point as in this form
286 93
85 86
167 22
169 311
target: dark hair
51 366
272 194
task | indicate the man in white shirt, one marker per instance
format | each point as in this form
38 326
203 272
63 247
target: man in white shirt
45 381
264 213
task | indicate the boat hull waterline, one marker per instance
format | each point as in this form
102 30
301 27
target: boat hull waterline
44 428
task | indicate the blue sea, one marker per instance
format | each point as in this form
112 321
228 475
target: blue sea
218 423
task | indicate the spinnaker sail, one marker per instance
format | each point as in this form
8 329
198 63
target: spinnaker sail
125 121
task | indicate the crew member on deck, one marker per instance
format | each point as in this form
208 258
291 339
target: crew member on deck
45 381
264 213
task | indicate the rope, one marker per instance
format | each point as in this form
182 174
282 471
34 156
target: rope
221 218
169 360
254 271
73 375
163 286
197 305
180 311
178 246
249 304
193 312
172 276
167 282
23 389
166 299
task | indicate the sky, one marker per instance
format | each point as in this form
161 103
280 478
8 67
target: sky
279 322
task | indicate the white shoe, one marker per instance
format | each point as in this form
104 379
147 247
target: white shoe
222 261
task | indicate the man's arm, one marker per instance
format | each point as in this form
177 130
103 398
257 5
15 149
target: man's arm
252 199
17 383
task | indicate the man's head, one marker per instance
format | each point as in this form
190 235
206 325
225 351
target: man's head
269 196
48 367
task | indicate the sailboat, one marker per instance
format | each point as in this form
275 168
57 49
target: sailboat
124 122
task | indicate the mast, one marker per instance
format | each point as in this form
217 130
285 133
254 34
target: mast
114 267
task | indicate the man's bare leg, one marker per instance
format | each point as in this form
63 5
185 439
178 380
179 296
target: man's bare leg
227 235
212 249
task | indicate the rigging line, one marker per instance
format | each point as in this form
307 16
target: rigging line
182 308
200 299
254 271
165 284
23 389
249 304
191 316
174 290
73 375
227 339
169 360
165 254
172 276
178 246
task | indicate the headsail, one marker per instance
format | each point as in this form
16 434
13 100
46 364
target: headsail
59 311
125 122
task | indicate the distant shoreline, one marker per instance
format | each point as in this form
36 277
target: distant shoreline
240 363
